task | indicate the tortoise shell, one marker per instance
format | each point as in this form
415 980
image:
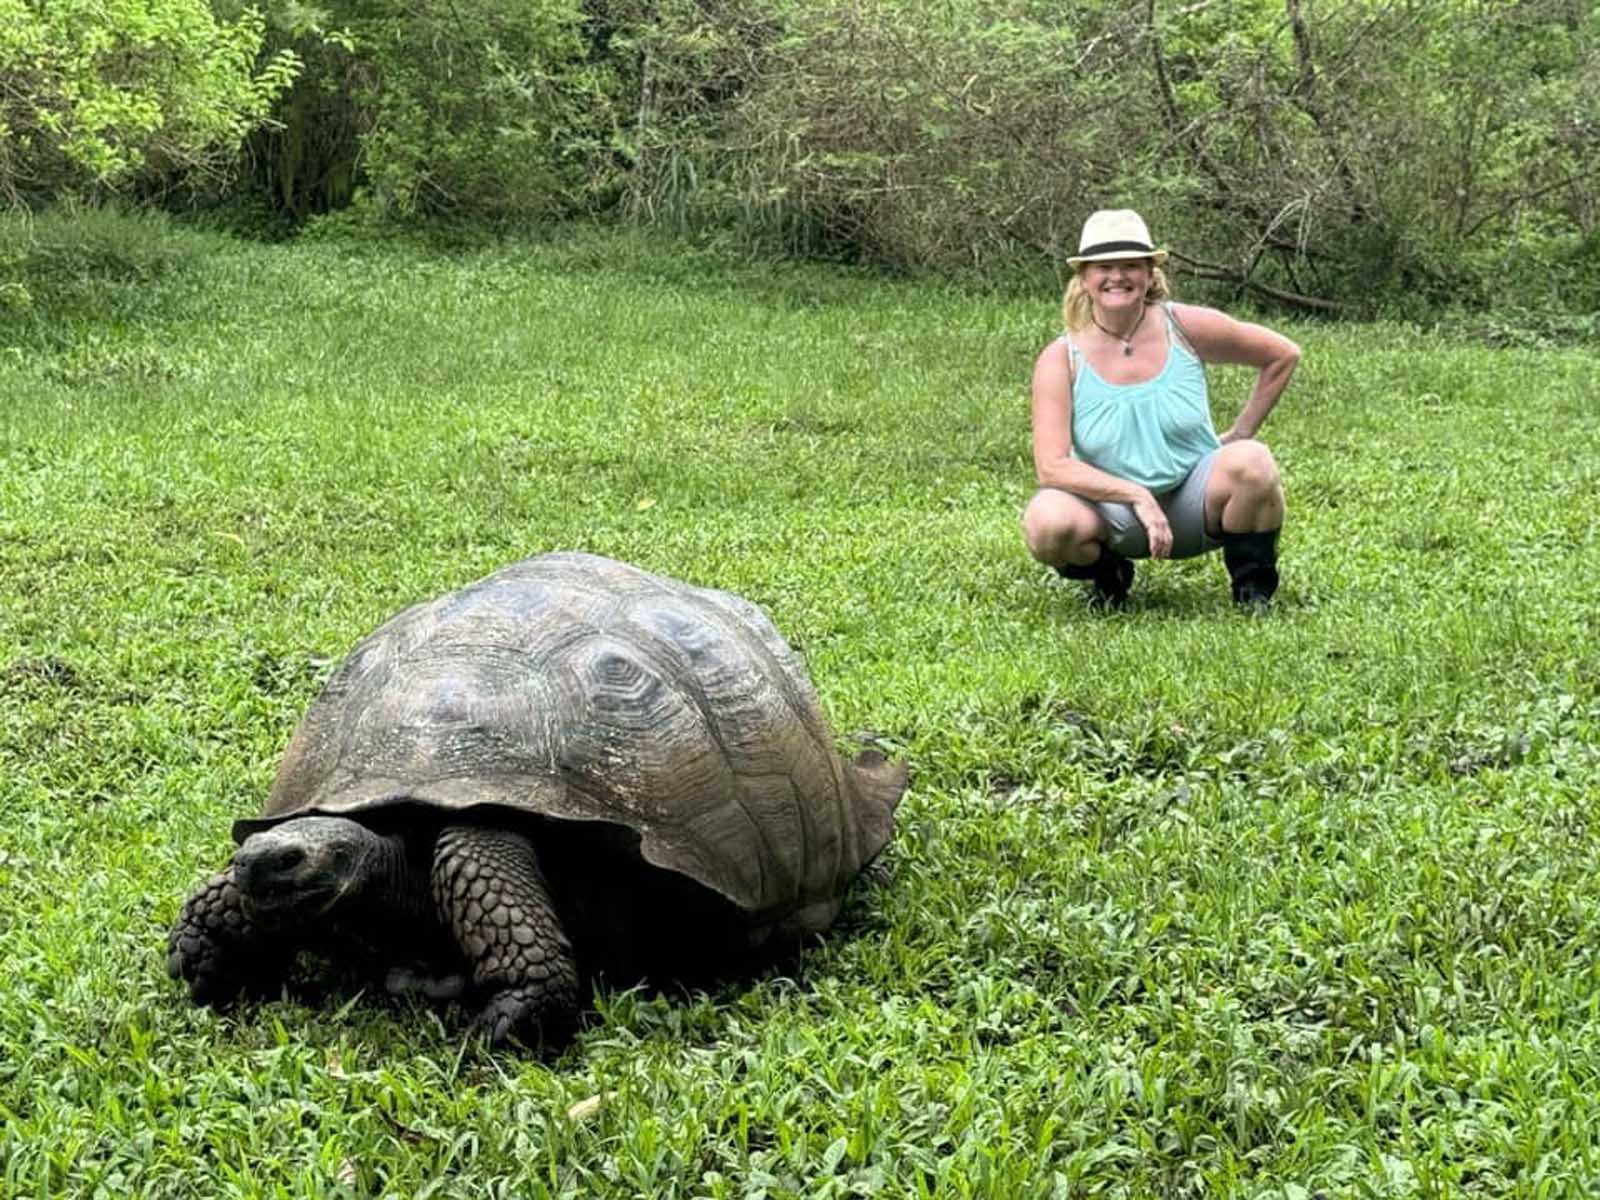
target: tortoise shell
579 688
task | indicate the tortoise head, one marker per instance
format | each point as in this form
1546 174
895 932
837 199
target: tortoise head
309 866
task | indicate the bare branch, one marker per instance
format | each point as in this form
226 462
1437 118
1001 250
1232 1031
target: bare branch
1511 202
1218 272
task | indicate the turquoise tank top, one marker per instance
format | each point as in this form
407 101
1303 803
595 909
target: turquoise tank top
1151 433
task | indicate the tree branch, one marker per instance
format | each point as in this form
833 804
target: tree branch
1182 133
1534 194
1304 93
1233 275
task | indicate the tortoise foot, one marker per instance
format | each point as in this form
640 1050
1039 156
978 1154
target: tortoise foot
214 949
491 895
527 1015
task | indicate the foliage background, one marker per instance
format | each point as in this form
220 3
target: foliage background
1335 156
1347 151
94 94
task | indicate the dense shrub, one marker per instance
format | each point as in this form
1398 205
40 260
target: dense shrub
1345 153
1337 155
487 109
93 95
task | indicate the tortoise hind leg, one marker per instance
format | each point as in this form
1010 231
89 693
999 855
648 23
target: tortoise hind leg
217 950
492 897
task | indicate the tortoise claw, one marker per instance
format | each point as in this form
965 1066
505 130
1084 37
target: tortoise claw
524 1015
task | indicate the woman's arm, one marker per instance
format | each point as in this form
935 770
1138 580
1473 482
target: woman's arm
1219 338
1053 463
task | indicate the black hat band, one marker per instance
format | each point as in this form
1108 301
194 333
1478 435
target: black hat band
1110 247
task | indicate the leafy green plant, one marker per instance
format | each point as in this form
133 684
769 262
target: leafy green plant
75 271
487 111
94 95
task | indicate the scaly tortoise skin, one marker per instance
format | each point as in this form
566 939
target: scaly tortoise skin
571 767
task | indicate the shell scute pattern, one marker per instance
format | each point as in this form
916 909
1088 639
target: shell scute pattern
576 687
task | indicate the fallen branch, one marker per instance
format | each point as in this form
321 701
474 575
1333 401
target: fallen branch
1238 278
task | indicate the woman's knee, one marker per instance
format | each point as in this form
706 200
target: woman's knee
1248 469
1056 526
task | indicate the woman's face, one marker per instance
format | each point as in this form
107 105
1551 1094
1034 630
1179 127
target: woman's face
1118 283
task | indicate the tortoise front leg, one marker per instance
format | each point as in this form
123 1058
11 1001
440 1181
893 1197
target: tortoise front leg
216 949
492 897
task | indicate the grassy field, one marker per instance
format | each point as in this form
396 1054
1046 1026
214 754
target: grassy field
1183 903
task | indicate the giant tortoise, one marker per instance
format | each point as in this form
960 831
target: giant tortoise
570 768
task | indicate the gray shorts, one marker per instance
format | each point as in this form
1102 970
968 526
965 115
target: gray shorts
1185 506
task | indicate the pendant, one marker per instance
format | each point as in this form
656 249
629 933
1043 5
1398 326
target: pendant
1127 349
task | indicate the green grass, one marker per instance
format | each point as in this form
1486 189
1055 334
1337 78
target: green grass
1183 903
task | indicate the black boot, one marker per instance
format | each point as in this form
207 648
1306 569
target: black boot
1111 574
1252 562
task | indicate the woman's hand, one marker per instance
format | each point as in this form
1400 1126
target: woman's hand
1156 530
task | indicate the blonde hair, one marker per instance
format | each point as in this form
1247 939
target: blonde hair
1077 306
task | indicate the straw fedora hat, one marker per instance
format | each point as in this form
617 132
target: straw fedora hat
1115 233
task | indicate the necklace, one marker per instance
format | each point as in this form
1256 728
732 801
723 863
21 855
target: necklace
1127 342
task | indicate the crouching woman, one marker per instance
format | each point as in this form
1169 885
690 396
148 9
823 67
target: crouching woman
1129 464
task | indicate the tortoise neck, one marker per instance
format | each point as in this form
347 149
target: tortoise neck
395 881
